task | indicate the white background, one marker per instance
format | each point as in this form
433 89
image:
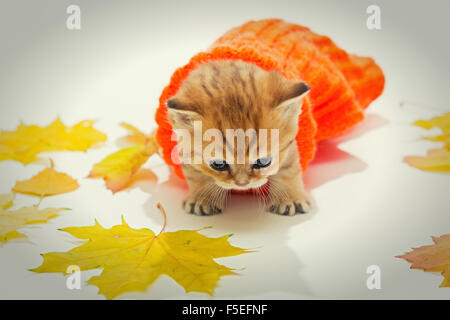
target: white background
370 206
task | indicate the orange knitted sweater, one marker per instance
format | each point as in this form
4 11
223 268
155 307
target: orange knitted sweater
342 85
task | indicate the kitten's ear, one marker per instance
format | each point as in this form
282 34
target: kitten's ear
291 100
180 114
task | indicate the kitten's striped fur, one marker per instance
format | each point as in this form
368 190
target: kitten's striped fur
232 94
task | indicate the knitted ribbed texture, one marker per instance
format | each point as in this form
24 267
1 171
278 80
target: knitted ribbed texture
342 85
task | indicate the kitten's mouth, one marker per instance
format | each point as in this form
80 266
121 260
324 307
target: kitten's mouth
251 185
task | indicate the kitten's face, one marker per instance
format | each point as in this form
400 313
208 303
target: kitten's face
223 95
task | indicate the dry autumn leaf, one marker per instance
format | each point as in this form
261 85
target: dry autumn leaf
47 183
135 136
441 122
432 258
12 220
6 200
26 142
436 159
118 168
133 259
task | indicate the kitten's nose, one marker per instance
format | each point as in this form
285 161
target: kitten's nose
241 183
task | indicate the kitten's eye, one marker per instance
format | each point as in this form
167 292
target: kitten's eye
262 163
219 165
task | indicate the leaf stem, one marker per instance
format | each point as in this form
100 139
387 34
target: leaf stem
160 207
420 106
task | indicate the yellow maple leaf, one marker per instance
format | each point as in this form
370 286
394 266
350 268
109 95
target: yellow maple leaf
133 259
118 168
12 220
6 200
26 142
48 182
442 122
135 136
436 159
432 258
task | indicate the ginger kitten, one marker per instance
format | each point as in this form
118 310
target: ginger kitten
232 94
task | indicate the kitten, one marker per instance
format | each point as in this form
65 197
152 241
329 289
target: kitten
232 94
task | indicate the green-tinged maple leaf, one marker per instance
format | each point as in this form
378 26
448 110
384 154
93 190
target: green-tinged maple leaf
133 259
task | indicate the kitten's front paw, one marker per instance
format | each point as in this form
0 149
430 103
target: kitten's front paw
290 208
201 208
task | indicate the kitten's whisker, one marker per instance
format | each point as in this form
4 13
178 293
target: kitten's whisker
261 201
279 192
265 194
255 196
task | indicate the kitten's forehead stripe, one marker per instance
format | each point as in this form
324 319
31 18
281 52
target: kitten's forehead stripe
252 80
287 145
216 70
206 90
237 74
